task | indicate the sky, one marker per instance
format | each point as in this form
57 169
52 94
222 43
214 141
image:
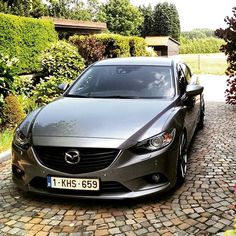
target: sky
198 13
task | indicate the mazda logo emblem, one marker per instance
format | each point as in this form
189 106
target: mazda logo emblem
72 157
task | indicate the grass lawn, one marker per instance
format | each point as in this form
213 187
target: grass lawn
5 140
214 63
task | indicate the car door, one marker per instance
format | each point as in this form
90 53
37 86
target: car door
191 103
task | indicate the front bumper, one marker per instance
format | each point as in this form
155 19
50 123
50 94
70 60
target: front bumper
129 175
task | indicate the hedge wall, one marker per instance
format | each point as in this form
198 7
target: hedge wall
202 45
25 38
100 46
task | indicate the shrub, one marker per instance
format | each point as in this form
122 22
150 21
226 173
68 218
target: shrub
138 46
23 85
13 112
115 44
229 48
7 71
62 60
202 45
89 48
47 90
25 38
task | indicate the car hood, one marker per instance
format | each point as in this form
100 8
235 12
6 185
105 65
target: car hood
98 118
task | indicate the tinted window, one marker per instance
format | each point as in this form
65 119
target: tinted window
125 81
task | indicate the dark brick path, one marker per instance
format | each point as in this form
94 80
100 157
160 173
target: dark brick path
204 205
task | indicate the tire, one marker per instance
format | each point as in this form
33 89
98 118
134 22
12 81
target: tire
182 160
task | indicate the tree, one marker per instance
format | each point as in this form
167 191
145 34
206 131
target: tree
122 17
147 27
166 20
33 8
74 9
229 36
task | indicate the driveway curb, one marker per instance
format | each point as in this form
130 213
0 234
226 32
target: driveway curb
5 156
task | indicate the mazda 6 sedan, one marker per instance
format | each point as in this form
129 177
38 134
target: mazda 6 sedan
121 130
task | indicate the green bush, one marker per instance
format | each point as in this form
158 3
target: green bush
116 45
96 47
202 45
23 87
13 112
47 90
138 46
89 48
7 72
25 38
62 60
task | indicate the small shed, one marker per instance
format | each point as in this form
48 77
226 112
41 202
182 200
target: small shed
71 27
163 45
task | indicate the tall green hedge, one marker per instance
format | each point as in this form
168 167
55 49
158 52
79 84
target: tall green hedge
100 46
116 45
25 38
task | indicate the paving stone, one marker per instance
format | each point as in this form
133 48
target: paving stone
203 205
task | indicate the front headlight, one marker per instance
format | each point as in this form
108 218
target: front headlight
20 139
157 142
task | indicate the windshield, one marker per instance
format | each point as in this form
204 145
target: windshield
122 81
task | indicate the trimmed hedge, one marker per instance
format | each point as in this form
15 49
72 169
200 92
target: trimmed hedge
25 38
202 45
138 47
116 45
108 46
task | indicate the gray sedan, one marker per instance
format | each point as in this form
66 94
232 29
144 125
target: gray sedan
121 130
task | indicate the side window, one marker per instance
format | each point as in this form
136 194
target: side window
182 78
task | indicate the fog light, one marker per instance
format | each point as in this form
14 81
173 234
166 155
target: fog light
17 171
156 178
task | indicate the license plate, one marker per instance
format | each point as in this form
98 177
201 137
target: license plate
73 183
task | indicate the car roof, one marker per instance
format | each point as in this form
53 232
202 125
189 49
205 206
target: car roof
150 61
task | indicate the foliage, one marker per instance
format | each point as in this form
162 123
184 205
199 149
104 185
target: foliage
47 90
199 33
200 45
33 8
229 36
166 20
13 112
138 47
77 10
147 26
115 45
97 47
24 38
23 87
6 137
62 60
151 52
122 17
7 72
89 48
163 20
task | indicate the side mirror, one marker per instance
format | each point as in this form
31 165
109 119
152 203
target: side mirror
193 90
63 87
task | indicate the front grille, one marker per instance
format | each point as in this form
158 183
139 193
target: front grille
106 187
91 159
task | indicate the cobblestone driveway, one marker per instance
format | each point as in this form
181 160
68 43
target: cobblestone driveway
204 205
